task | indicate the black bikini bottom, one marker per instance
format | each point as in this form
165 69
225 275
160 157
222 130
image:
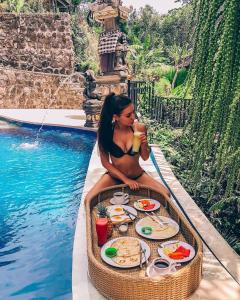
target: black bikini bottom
119 181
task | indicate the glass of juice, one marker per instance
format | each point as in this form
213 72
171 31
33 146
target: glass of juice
136 141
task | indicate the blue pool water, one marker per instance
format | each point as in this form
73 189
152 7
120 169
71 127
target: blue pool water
40 193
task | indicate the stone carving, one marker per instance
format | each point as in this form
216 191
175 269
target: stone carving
120 63
90 86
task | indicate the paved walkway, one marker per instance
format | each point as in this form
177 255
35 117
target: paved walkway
217 284
59 117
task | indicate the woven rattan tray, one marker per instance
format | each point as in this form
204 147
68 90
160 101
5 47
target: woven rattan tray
126 284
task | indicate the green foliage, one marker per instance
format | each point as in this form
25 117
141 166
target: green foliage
76 2
143 22
163 87
206 158
216 115
224 212
85 45
181 91
15 6
157 43
176 27
181 77
22 6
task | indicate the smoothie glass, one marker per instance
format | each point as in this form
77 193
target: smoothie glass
138 130
136 141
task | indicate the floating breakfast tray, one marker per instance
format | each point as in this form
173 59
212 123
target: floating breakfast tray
125 284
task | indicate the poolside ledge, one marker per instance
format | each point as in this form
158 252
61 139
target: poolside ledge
71 118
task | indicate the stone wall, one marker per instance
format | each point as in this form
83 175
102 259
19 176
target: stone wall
37 42
24 89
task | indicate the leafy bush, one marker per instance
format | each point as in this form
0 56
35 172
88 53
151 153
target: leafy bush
163 87
85 46
168 72
181 77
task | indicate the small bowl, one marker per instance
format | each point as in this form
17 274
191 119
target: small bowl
146 230
111 252
123 228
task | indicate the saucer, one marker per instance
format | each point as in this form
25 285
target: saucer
112 201
153 274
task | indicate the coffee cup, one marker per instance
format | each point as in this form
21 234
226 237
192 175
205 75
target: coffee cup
120 197
161 266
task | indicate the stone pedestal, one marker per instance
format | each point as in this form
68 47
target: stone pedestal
113 83
92 108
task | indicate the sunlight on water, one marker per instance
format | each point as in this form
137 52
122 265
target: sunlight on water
29 145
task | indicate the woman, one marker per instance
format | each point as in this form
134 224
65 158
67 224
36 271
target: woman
115 136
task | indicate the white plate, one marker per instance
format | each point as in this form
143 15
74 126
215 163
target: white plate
109 261
129 208
138 228
185 245
112 201
157 205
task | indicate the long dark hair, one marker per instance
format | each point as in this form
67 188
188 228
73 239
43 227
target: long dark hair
113 104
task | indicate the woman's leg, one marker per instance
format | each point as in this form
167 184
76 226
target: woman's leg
105 181
151 182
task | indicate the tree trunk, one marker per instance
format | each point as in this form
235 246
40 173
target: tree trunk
175 78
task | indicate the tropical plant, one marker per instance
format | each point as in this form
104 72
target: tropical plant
143 23
177 26
215 76
85 42
102 211
22 6
15 6
177 54
76 2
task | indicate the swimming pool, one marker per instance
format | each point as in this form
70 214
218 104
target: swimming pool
40 193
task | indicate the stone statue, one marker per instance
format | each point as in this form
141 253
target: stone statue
112 46
120 54
112 50
90 86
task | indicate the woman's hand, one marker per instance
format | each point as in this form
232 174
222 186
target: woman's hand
142 128
133 184
143 138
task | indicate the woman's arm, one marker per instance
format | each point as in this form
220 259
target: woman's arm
114 172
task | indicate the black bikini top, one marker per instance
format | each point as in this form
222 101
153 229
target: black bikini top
117 151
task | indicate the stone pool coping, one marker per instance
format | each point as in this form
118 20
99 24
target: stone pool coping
217 283
71 118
